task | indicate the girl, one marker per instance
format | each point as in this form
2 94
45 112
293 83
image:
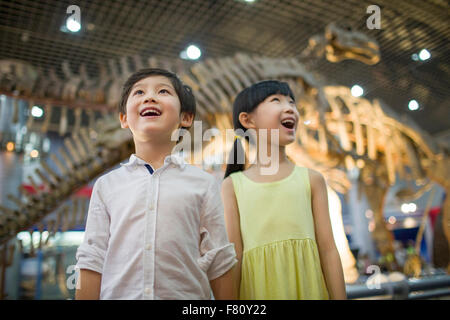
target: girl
279 223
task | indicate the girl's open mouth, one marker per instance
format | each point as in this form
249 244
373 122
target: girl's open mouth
288 123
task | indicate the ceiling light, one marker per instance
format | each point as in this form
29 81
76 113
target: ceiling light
357 91
193 52
37 112
73 25
413 105
412 207
408 207
424 54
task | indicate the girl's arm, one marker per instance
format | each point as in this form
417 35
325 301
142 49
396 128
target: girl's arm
222 286
232 225
329 255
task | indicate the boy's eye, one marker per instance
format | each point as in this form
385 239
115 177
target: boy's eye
275 99
164 91
138 92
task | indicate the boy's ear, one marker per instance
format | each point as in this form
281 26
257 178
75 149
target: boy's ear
123 120
246 120
186 119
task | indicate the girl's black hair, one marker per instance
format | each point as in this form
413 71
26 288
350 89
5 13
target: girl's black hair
247 101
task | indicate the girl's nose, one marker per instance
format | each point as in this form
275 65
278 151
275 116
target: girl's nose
291 109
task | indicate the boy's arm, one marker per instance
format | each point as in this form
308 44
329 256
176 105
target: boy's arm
329 255
88 286
91 253
232 225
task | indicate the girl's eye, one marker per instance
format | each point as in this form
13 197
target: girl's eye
164 91
138 92
275 99
292 102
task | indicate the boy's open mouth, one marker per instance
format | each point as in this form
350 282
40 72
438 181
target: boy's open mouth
288 123
150 112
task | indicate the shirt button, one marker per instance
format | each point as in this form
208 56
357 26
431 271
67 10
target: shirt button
148 290
148 246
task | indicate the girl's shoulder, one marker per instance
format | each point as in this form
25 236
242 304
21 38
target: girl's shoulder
316 179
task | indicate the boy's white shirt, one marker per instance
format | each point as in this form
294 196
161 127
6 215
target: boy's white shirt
156 236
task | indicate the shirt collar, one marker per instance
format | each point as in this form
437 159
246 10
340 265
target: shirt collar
176 159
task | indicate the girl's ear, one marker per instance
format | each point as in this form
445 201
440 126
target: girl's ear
246 120
186 119
123 120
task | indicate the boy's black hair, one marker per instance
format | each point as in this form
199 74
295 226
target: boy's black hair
246 101
184 92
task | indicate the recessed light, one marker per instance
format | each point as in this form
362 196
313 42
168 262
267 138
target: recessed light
37 112
357 91
408 207
73 25
424 54
192 52
413 105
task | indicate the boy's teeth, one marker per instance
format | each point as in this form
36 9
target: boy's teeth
151 112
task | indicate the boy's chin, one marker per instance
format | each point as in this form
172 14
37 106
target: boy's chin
152 134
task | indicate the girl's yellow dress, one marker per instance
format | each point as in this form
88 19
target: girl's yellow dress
280 254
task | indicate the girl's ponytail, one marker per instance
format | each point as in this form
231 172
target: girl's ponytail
236 162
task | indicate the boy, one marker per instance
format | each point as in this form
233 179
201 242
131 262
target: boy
155 228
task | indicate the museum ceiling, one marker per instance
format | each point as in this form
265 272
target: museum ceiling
31 31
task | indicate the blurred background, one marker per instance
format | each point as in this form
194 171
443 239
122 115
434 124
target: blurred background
382 68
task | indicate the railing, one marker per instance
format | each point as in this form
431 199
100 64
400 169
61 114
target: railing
412 289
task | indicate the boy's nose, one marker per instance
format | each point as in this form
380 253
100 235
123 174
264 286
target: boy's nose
150 98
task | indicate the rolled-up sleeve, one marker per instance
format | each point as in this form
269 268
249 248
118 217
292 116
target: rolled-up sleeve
217 253
91 253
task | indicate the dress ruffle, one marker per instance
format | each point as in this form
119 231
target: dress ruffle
283 270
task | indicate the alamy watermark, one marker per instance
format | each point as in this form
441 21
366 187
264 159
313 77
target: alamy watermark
374 20
72 280
75 13
263 146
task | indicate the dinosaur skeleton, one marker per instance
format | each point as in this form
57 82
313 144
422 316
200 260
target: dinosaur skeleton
339 132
